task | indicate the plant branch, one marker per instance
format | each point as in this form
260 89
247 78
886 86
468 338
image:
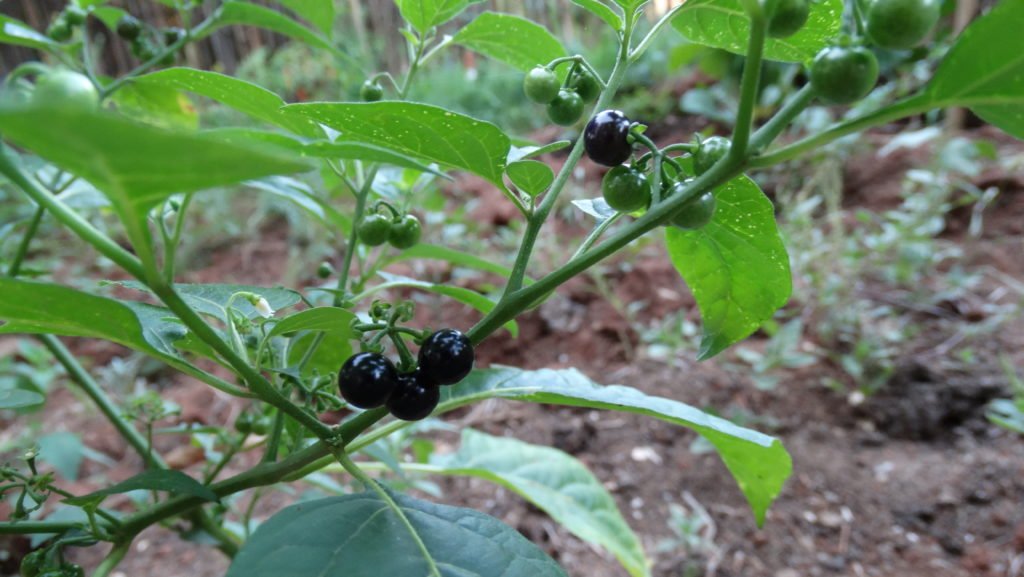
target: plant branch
751 80
30 232
782 119
644 44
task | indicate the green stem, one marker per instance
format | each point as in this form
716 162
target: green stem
354 470
910 106
196 32
71 219
596 233
353 238
782 119
644 44
171 247
37 527
113 558
751 80
30 232
274 442
540 215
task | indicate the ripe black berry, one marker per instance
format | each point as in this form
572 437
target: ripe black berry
366 380
414 398
446 357
606 138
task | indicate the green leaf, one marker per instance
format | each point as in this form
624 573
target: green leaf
64 451
418 130
361 536
109 16
41 308
984 70
630 5
513 40
169 480
319 13
19 398
463 295
303 196
320 319
156 105
759 463
457 258
724 24
20 34
240 95
736 266
530 176
603 12
556 483
523 152
136 165
246 14
426 14
212 299
333 350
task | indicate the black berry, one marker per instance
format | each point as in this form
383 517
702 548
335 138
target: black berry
414 398
606 138
446 357
366 380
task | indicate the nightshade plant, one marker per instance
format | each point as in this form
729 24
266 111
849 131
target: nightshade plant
120 136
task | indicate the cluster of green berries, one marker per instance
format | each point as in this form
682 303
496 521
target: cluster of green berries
400 231
62 27
146 43
626 188
370 380
565 102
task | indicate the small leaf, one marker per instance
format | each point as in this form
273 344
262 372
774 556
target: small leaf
463 295
736 266
418 130
244 13
724 24
171 481
457 258
240 95
984 70
530 176
603 12
303 196
64 451
524 152
515 41
334 349
320 319
759 463
19 399
20 34
556 483
319 13
109 16
212 299
426 14
361 536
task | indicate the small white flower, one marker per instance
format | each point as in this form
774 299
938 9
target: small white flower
263 308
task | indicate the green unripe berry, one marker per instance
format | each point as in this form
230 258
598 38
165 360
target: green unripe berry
541 85
696 213
371 91
626 189
584 83
711 151
405 232
374 230
786 17
841 75
901 24
566 109
129 27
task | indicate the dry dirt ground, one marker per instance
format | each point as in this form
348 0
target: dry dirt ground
911 482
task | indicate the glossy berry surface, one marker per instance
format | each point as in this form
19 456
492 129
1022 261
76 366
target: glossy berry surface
541 85
786 17
566 108
711 151
695 214
405 232
59 30
414 398
65 88
625 189
901 24
374 230
840 75
606 138
129 27
446 357
366 380
584 83
371 91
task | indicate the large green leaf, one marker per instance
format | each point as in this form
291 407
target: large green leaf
418 130
759 463
246 14
243 96
426 14
736 266
603 12
984 70
171 481
555 482
17 32
513 40
319 13
137 165
42 308
362 536
724 24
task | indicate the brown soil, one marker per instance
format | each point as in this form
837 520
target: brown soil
912 481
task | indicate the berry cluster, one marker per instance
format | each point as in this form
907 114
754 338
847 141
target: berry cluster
146 43
400 231
370 380
565 102
607 140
